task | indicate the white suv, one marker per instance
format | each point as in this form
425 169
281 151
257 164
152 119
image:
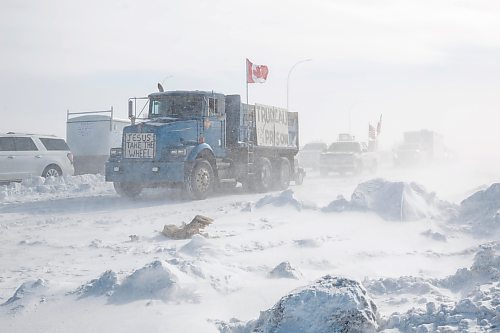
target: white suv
27 155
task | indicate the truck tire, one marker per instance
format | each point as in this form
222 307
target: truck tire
51 170
129 190
283 173
263 175
200 181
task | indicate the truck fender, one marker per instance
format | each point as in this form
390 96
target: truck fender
201 149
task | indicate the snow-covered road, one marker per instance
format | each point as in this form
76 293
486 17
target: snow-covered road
58 235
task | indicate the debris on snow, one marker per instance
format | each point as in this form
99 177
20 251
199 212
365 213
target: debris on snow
286 271
187 231
331 304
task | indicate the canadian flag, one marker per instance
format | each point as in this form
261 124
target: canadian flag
256 73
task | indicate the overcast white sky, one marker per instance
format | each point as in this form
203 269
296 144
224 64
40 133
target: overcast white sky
423 64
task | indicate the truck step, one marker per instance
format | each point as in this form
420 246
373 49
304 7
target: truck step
223 165
228 180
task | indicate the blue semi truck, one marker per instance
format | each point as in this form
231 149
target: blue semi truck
203 141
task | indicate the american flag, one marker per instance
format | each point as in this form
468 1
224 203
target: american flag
372 135
379 126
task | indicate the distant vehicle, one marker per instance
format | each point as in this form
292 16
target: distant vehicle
309 155
347 156
28 155
201 140
90 136
419 147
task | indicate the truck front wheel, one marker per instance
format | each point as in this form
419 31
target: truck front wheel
200 181
129 190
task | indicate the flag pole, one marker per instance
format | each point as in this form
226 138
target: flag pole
246 76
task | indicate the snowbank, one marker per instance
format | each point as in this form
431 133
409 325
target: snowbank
478 310
286 271
153 281
331 304
29 294
481 211
485 268
395 201
103 285
37 187
279 200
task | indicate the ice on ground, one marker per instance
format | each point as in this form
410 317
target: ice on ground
103 285
28 294
286 271
278 200
153 281
481 211
394 201
331 304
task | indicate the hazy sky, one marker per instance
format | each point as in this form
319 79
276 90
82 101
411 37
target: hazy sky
423 64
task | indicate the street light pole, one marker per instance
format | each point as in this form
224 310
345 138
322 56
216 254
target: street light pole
288 80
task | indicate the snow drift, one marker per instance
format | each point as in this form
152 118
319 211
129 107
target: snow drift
478 310
67 186
285 271
394 201
27 295
153 281
331 304
481 211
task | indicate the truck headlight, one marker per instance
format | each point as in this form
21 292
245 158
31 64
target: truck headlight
178 152
115 152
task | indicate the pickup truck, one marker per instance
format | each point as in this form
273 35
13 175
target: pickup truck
347 157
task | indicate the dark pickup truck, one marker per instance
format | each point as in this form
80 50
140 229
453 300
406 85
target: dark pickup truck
347 157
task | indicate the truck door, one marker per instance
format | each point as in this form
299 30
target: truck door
214 128
214 135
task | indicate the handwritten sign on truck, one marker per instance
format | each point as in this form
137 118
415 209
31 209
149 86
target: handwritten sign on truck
140 145
271 125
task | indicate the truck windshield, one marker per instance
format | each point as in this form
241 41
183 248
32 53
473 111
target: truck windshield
345 147
180 106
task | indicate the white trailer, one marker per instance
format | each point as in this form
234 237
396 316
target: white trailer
90 136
